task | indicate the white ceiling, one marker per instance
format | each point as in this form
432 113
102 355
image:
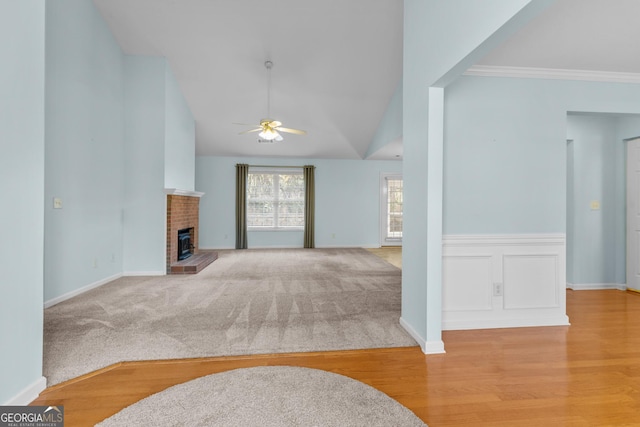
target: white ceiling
336 62
593 35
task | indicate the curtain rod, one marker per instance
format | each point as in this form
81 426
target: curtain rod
275 167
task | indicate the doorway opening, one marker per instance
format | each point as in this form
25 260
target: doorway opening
596 227
391 205
633 215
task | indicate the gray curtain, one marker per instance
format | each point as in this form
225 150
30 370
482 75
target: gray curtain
309 206
242 172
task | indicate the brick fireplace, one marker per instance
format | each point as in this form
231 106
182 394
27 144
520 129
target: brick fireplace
183 213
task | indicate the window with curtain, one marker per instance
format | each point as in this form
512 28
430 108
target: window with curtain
275 199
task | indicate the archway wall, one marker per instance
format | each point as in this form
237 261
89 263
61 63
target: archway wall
441 40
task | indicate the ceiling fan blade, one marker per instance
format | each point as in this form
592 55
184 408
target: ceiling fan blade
250 130
296 131
274 124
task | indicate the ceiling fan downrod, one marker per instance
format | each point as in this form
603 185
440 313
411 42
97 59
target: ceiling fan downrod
268 65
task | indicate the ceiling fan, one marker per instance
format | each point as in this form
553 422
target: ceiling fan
269 129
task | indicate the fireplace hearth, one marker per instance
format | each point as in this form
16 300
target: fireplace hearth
183 253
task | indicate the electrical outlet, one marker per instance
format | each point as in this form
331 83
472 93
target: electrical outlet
333 235
95 263
497 289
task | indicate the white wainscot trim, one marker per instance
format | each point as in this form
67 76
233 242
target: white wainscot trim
503 281
144 273
28 394
68 295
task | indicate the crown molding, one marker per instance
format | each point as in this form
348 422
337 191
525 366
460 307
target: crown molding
552 73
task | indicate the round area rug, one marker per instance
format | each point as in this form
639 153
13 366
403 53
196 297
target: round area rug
267 396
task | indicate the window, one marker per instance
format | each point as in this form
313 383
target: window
390 209
275 199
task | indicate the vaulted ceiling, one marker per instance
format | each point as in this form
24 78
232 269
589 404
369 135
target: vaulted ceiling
336 63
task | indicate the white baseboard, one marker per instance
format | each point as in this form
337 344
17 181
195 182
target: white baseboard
275 247
415 335
368 246
428 347
28 394
434 347
144 273
217 249
596 286
375 246
458 325
68 295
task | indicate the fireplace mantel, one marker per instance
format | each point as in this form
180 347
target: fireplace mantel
178 192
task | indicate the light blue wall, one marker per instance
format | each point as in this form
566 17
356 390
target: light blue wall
505 157
144 208
159 154
596 252
570 211
347 202
118 132
180 138
62 131
441 40
452 35
594 169
84 148
22 128
390 127
505 150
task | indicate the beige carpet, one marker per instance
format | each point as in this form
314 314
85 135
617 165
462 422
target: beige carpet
268 396
246 302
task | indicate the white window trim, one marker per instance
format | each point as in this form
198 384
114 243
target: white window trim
275 170
384 240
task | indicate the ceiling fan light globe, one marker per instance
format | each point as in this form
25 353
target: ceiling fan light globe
268 134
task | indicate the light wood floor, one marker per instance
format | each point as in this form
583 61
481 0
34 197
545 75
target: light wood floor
391 254
586 374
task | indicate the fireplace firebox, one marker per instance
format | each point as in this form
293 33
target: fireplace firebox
185 247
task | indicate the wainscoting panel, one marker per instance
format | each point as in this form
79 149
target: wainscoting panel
469 282
502 281
530 281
